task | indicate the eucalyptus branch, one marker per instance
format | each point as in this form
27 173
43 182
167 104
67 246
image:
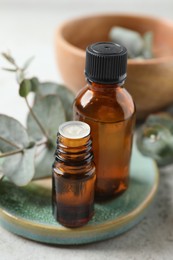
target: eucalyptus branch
49 96
9 142
36 119
12 61
25 86
11 153
20 150
41 143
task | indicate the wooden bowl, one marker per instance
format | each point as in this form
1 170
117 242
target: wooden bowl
150 82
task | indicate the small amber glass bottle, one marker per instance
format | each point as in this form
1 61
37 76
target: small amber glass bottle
73 177
110 111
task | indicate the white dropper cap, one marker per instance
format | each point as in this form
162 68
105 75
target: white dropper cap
74 129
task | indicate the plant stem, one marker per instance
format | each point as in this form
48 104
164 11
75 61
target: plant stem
41 143
9 142
20 150
36 119
11 153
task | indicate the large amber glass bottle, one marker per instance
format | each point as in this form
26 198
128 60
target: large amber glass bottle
110 111
73 176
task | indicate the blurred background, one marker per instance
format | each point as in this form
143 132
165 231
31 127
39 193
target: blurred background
28 28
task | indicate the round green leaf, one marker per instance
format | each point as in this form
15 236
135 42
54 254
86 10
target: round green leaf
156 141
148 45
20 168
20 76
66 96
34 84
8 57
132 40
27 63
50 113
14 132
162 119
25 87
43 166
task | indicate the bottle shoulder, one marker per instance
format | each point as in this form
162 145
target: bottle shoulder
111 105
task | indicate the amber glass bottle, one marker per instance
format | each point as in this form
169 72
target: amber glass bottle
110 111
73 175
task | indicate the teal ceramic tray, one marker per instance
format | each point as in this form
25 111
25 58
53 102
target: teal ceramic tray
27 211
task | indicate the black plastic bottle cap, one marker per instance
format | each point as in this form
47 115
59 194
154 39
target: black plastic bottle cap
106 63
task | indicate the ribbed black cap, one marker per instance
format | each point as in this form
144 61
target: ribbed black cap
106 62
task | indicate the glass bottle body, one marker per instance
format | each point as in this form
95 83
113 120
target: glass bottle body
110 112
73 182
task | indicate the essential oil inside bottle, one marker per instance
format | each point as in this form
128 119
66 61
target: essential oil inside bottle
73 177
110 111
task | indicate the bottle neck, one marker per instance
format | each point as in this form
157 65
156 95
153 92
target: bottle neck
102 87
74 152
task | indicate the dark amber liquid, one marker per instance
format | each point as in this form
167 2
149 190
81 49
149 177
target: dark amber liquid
110 112
73 199
73 182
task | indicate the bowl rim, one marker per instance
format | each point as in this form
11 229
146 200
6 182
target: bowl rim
80 52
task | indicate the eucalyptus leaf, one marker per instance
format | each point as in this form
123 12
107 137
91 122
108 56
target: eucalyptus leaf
138 46
27 63
11 70
132 40
20 76
8 57
66 96
148 44
34 84
14 132
43 165
51 114
20 168
155 138
25 88
163 119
